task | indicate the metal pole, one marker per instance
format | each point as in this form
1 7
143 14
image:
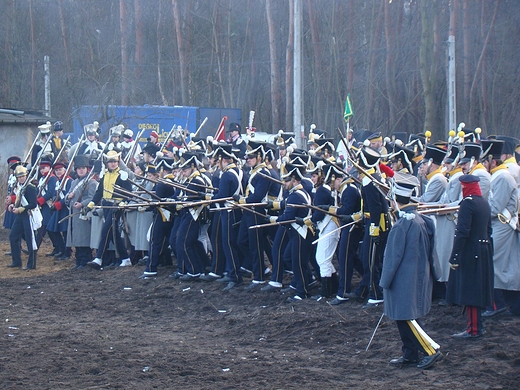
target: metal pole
297 68
47 75
452 102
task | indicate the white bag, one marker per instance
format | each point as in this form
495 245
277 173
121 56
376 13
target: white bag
36 218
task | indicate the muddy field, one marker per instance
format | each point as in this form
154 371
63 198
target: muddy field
87 329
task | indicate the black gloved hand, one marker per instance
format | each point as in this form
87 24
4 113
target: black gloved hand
95 213
344 219
236 197
269 204
375 240
299 221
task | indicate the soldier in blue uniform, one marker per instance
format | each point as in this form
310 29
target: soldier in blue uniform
46 192
230 184
299 238
189 248
375 210
23 205
251 240
162 221
348 258
235 138
12 163
58 231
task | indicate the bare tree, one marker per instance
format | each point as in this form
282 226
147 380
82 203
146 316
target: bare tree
124 52
183 61
289 76
275 73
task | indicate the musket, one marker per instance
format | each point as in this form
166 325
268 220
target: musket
164 203
153 195
52 167
245 208
305 206
26 159
205 202
333 231
121 191
261 204
164 143
439 211
201 126
383 188
271 224
170 183
134 147
35 167
67 172
270 178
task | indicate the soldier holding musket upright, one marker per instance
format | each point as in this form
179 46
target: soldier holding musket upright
58 230
82 190
25 202
45 195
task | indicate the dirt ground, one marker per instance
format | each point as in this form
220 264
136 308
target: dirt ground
87 329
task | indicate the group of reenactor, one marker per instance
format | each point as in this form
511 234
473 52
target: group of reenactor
236 210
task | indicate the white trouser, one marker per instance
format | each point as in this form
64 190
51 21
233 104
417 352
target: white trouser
326 248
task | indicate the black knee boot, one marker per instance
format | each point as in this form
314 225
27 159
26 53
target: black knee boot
333 286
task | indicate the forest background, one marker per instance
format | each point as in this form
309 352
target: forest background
389 55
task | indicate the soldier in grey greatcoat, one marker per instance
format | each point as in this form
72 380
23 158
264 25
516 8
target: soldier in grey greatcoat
407 278
81 192
504 203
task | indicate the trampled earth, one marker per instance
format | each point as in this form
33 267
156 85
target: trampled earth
87 329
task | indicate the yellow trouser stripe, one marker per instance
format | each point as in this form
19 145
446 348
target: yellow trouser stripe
425 344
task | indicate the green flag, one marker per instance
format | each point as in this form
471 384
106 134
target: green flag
348 109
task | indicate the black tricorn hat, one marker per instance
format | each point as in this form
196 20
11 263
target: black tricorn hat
256 148
368 157
332 172
406 155
190 160
293 172
284 139
224 150
166 164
